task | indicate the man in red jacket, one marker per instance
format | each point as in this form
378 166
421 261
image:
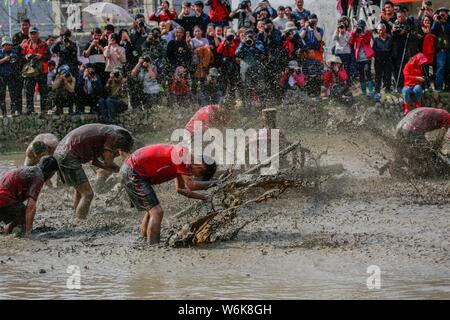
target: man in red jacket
156 164
414 80
37 54
219 12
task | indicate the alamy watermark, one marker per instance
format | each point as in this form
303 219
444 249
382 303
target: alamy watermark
235 147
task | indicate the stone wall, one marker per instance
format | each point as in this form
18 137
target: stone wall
24 128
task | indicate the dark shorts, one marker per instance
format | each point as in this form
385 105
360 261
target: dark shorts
14 213
70 171
138 189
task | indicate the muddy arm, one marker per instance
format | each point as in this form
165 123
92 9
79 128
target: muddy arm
29 216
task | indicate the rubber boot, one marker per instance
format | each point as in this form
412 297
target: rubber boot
371 87
377 97
405 109
419 104
363 88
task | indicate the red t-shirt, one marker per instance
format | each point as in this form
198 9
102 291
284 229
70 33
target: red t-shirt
160 163
207 115
422 120
18 185
88 142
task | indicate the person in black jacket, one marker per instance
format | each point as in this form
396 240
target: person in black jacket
178 51
88 90
67 51
186 18
382 46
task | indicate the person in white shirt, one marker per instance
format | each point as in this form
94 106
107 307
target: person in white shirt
280 21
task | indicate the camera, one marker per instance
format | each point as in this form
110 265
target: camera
249 41
155 34
229 38
141 23
312 23
267 30
116 74
66 39
147 59
91 72
13 57
341 25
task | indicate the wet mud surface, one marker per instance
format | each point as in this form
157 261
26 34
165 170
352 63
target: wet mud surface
309 243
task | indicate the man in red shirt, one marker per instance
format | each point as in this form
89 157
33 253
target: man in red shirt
95 143
210 116
412 128
20 185
156 164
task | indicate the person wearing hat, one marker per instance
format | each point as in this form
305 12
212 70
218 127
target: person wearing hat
210 90
19 192
116 100
9 79
290 36
336 79
441 29
292 77
63 90
36 53
66 50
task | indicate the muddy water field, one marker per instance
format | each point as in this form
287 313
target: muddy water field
310 242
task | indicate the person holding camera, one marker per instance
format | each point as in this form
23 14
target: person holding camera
336 79
211 91
292 78
94 51
290 40
441 29
163 13
179 52
312 54
155 47
361 41
89 89
426 10
114 54
388 16
37 55
146 74
139 34
9 69
63 90
229 67
244 15
67 51
342 48
405 43
251 54
116 100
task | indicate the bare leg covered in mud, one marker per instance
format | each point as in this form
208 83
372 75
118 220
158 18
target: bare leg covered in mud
151 224
82 200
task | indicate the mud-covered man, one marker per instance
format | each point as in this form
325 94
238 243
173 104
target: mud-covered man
156 164
20 186
98 144
42 145
412 128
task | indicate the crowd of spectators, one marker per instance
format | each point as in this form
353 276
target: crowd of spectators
194 57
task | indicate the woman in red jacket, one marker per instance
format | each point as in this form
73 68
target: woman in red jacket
414 80
164 13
